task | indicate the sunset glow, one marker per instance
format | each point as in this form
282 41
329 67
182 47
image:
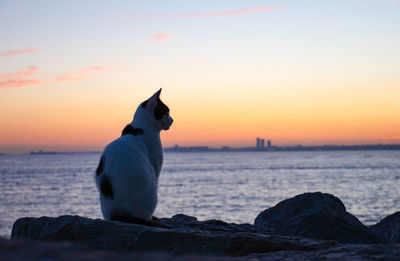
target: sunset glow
311 73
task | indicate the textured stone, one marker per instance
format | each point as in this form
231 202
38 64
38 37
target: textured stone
185 235
389 228
60 251
316 215
349 252
283 232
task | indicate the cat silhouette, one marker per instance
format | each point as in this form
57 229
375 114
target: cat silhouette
129 167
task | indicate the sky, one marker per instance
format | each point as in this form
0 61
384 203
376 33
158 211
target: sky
72 73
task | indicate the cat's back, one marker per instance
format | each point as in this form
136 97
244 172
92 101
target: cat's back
126 144
127 154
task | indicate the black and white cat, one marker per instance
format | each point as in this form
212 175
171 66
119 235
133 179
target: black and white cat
127 175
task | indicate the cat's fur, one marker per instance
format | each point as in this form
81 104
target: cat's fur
127 175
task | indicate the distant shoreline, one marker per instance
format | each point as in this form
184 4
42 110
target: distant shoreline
286 148
186 149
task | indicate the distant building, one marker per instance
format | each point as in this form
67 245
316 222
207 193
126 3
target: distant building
269 143
260 143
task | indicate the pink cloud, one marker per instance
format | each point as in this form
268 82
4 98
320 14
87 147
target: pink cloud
216 14
17 83
31 77
161 37
16 52
79 75
93 68
31 71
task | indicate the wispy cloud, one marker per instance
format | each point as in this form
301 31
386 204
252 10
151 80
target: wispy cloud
16 52
202 15
160 37
32 77
30 71
18 79
94 68
216 14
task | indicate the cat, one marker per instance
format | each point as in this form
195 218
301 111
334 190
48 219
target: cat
128 171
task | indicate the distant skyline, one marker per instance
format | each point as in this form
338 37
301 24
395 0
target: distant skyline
294 72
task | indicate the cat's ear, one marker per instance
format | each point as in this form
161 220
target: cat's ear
157 94
152 102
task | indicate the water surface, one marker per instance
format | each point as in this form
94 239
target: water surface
232 186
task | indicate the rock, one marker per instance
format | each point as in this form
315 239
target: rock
186 235
389 228
349 252
180 221
316 215
11 250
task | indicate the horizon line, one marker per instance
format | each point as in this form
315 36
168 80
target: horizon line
223 147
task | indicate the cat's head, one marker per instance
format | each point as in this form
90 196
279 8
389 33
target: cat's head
154 112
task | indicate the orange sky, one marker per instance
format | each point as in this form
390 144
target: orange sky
312 73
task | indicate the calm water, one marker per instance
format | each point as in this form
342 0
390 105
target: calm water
231 186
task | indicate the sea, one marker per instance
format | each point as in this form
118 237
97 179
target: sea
230 186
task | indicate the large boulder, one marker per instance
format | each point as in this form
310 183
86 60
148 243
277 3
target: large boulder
316 215
389 228
185 235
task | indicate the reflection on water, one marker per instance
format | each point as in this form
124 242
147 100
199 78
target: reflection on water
232 186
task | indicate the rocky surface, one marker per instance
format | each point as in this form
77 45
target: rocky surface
311 226
389 228
185 235
60 251
316 215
